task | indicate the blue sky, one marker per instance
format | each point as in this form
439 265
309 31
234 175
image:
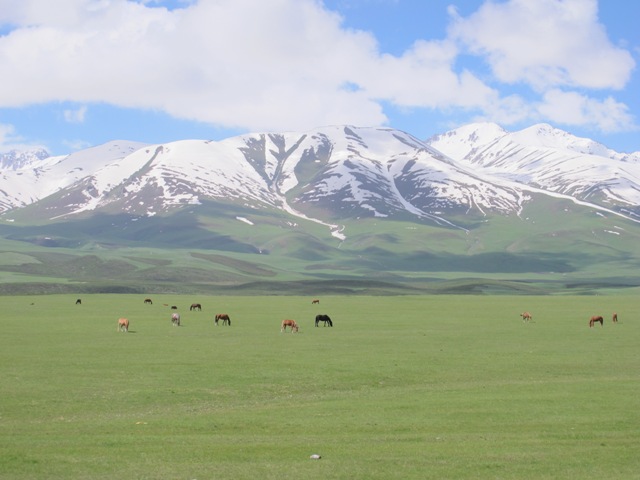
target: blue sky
78 73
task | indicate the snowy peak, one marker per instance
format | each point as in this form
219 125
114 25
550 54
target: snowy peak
545 136
15 159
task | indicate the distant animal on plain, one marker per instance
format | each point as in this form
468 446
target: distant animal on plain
226 320
173 307
526 316
324 318
315 301
123 325
148 300
195 306
175 319
595 319
614 318
78 302
289 323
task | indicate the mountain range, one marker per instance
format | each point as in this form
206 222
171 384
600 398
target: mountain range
333 186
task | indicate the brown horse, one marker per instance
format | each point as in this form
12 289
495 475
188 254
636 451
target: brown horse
289 323
195 306
595 319
78 302
175 319
526 316
148 300
615 318
123 325
315 301
226 320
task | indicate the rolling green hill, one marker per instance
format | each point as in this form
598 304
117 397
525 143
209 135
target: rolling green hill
554 246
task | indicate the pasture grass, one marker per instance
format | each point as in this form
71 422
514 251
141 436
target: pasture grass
400 388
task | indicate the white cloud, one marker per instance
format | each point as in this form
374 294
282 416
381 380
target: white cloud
291 64
75 116
545 44
572 108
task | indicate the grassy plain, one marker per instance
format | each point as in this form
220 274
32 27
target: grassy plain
436 387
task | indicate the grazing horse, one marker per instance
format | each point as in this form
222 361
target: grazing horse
526 316
173 307
615 318
148 300
195 306
289 323
123 325
315 301
324 318
175 319
78 302
595 319
224 317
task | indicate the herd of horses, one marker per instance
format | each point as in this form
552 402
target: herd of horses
292 325
526 317
123 323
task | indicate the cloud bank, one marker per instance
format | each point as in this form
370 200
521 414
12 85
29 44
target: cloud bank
292 64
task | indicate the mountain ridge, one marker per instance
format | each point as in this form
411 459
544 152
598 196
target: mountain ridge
332 172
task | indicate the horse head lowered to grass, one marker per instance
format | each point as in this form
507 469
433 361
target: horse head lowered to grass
595 319
289 323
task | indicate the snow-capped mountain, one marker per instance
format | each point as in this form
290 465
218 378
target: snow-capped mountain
331 173
551 160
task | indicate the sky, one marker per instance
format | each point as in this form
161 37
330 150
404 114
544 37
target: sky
80 73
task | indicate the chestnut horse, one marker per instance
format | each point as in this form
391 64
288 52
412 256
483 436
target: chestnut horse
595 319
615 318
315 301
289 323
195 306
224 317
123 325
175 319
526 316
324 318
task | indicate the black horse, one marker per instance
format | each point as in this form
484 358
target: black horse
324 318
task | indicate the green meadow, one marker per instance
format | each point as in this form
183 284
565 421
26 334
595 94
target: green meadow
402 387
